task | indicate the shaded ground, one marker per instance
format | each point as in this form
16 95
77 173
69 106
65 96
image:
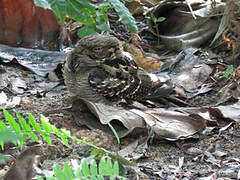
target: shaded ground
210 154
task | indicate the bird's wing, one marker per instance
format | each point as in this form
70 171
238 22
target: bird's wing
112 86
121 86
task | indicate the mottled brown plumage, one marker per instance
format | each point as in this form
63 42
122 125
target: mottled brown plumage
98 70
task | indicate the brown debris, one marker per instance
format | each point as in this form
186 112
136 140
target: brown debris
97 137
24 24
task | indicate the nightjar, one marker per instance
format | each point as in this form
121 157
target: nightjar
98 70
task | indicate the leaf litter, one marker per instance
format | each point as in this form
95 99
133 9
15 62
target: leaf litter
211 154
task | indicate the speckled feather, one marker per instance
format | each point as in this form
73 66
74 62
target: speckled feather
98 69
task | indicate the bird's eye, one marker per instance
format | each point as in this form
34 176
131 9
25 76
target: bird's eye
97 49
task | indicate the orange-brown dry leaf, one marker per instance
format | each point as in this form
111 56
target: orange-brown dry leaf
30 29
13 19
143 61
24 24
1 21
49 23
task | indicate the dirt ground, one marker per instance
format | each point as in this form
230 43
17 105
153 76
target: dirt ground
213 154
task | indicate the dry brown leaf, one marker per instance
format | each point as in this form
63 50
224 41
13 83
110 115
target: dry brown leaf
166 124
24 24
143 61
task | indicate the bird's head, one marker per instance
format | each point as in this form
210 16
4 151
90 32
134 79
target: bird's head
98 46
93 51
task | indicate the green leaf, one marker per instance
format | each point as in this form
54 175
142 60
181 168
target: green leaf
103 27
63 135
27 129
68 172
46 138
66 133
84 178
49 174
85 168
101 17
125 43
22 139
154 20
100 177
58 172
94 178
56 131
42 3
2 145
229 71
116 135
12 122
105 6
99 153
115 169
64 140
125 16
34 124
109 167
102 166
23 123
83 6
59 7
2 125
8 136
34 137
161 19
45 124
86 30
79 15
37 128
93 168
78 173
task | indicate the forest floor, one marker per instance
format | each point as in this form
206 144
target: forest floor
212 154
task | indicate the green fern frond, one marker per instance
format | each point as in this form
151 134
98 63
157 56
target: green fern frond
32 128
91 170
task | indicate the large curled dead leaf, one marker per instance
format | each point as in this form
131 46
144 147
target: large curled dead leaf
166 124
24 24
180 29
170 124
38 61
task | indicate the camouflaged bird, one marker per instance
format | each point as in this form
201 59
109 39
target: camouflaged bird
98 70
